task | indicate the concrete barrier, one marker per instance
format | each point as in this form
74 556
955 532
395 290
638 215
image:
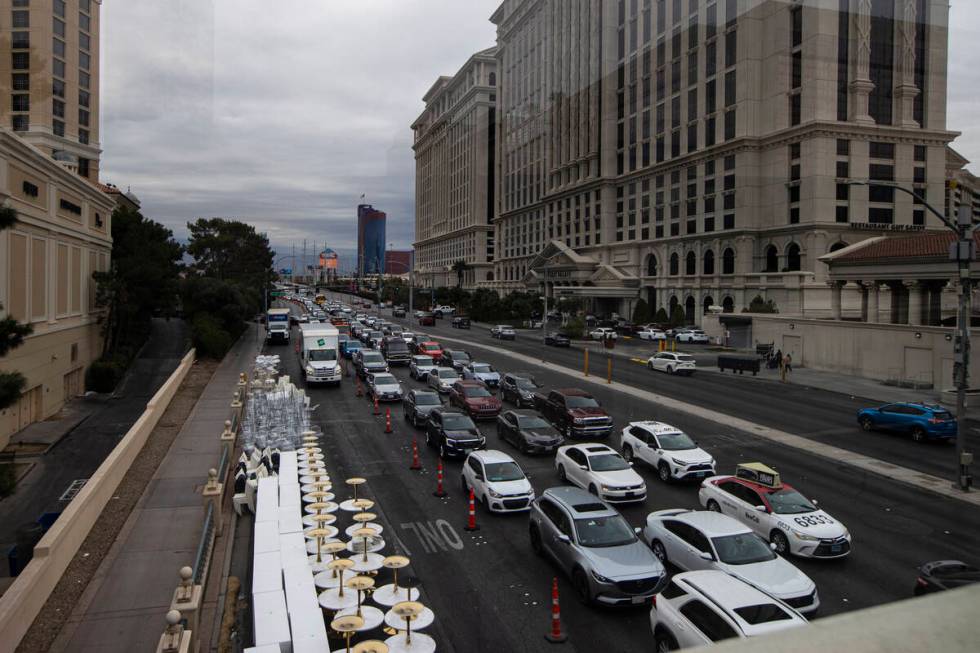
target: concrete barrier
23 600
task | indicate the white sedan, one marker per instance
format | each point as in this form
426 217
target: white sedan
420 367
695 336
672 362
497 481
441 379
604 333
651 334
702 539
384 387
600 470
757 497
669 450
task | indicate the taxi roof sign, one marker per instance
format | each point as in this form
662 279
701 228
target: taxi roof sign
759 473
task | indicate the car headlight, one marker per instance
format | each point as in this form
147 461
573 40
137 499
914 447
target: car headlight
310 370
679 463
600 578
804 536
609 488
493 493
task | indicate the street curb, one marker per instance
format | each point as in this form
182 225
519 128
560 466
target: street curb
909 477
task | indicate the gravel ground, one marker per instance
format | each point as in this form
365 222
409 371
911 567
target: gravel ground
96 546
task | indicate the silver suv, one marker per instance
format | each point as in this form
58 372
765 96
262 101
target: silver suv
595 546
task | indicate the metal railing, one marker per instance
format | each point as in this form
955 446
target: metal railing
202 558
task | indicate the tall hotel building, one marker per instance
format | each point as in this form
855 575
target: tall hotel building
696 152
454 175
49 168
371 227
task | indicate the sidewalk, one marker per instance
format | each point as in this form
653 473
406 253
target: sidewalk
123 608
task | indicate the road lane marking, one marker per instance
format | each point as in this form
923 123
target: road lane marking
435 536
837 455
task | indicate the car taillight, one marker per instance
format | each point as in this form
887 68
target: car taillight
921 582
936 420
653 602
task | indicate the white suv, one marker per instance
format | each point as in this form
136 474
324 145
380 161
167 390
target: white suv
672 363
497 481
697 608
667 449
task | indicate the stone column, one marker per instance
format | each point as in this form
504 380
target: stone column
873 301
864 301
915 301
861 86
906 91
835 293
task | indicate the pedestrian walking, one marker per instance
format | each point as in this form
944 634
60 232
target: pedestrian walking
788 363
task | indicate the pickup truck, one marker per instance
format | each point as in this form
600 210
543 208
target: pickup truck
575 413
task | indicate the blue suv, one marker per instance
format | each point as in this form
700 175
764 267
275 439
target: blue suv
921 421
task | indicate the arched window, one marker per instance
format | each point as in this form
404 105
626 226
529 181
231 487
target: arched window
708 262
689 305
728 305
772 259
493 79
793 258
838 245
673 304
675 263
707 303
691 264
651 266
490 276
728 261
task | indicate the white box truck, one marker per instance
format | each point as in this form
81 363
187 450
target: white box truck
318 353
277 325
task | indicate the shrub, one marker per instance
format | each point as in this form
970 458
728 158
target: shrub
661 317
575 327
641 312
678 317
103 375
759 305
210 339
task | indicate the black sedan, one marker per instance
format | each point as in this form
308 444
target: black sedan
453 433
557 339
461 322
529 432
944 575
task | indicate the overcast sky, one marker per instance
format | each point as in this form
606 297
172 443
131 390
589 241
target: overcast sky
283 113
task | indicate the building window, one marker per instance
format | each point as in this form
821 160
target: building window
843 192
21 82
877 215
772 259
674 265
881 150
793 262
59 8
58 47
796 26
843 43
920 153
83 167
729 221
58 88
730 124
690 264
83 99
843 147
83 117
795 109
919 217
83 136
843 170
84 22
794 215
797 80
59 27
728 261
21 19
19 123
20 40
58 108
20 60
842 214
708 262
730 88
731 13
83 61
83 79
21 102
59 128
58 68
83 43
794 194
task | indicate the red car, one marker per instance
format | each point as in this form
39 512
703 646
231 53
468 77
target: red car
474 399
427 319
430 348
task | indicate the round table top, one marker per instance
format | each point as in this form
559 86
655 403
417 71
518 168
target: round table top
356 480
312 478
311 546
320 532
315 497
372 616
377 528
423 620
421 643
321 566
365 531
388 595
347 623
327 579
360 505
396 562
359 583
332 600
306 457
313 487
340 563
321 518
374 544
322 506
362 566
370 646
364 516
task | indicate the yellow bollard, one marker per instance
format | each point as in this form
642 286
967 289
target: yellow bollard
586 370
673 344
609 369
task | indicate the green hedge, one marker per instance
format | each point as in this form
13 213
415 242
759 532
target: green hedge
210 338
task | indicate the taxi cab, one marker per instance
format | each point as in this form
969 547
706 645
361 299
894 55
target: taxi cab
757 497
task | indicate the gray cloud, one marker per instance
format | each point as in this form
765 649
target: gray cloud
283 113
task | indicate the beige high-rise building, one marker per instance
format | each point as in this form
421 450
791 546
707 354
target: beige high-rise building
697 152
454 175
49 78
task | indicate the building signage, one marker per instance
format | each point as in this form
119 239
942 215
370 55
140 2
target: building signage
871 226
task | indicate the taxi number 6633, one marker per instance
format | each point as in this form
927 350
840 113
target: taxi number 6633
812 520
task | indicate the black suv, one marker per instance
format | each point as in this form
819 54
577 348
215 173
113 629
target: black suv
369 361
395 350
460 322
398 312
456 359
519 389
557 339
453 433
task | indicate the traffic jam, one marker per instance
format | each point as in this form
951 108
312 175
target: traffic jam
726 570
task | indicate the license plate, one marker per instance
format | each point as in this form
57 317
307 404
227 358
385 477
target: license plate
631 494
835 548
639 599
700 474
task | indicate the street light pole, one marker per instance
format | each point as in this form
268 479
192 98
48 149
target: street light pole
963 251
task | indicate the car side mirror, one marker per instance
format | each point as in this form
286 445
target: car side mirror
761 509
704 555
631 463
772 545
637 530
584 468
814 502
564 539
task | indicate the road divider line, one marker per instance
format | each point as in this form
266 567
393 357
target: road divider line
904 475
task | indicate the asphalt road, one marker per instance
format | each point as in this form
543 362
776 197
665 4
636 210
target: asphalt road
491 593
79 453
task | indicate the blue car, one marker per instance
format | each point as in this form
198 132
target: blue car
921 421
349 347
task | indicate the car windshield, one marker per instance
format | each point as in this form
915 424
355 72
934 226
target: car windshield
532 422
459 356
424 360
607 462
376 334
742 549
499 472
427 400
430 347
526 384
385 379
575 401
481 368
372 357
611 530
323 355
676 441
446 373
476 392
789 502
457 422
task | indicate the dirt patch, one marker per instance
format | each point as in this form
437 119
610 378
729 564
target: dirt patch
82 568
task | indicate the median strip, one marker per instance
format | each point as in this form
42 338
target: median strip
911 477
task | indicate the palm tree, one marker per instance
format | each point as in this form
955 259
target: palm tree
460 267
